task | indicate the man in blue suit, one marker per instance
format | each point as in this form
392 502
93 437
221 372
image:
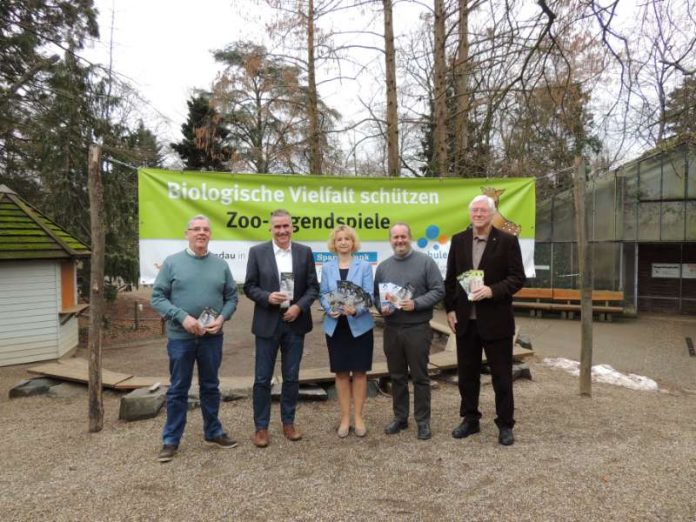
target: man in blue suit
280 320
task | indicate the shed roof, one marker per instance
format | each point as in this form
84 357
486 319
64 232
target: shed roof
25 233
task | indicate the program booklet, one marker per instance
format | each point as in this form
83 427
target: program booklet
287 286
471 280
207 316
348 293
391 294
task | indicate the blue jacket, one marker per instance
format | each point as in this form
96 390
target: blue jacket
360 273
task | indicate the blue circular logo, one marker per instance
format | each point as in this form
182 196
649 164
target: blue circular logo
432 232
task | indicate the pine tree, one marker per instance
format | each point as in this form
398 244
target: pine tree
680 112
203 146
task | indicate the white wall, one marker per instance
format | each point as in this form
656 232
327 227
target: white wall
29 305
68 336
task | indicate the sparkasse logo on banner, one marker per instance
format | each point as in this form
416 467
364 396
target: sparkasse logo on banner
239 208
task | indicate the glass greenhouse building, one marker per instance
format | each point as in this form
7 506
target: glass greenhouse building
642 228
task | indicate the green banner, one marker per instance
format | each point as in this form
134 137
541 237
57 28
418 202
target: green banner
239 205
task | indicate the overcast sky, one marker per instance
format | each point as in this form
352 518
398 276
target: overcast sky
163 48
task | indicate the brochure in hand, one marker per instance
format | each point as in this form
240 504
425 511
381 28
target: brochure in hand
471 280
207 316
391 294
287 286
349 294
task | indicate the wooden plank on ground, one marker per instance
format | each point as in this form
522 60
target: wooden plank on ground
444 329
134 383
379 369
519 353
316 375
451 345
440 327
237 383
448 360
444 360
76 369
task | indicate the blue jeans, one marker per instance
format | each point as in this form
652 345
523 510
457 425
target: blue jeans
206 352
291 346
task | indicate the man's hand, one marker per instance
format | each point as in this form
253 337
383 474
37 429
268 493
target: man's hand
293 313
408 305
276 298
484 292
452 321
216 325
191 326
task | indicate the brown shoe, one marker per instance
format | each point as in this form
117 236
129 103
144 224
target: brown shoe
260 438
167 453
291 433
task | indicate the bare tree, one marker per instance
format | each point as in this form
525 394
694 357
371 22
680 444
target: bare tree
393 162
461 72
440 88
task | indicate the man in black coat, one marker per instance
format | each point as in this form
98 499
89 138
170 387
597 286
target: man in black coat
281 320
484 318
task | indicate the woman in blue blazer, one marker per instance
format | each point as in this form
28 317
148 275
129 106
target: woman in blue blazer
348 331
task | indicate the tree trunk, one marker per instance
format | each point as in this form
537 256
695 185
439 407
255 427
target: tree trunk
440 92
461 86
96 295
393 167
313 109
585 266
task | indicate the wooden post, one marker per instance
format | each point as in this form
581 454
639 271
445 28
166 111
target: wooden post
96 294
136 318
585 266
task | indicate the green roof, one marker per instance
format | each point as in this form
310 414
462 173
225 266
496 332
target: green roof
25 233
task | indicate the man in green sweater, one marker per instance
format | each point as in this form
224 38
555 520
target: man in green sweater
195 292
407 332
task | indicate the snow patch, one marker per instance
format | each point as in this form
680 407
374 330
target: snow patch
605 374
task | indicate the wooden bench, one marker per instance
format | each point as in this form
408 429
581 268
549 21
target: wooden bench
534 299
567 301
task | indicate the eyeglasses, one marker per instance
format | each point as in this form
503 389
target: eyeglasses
199 229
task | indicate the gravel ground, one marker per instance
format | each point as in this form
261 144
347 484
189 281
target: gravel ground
620 455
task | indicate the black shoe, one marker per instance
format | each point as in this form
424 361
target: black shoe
424 432
505 437
396 426
223 441
167 453
466 428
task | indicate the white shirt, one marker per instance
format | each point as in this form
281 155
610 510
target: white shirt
283 258
192 253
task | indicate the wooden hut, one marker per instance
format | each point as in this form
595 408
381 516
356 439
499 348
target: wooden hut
38 284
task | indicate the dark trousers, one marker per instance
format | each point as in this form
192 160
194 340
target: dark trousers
291 346
499 356
407 348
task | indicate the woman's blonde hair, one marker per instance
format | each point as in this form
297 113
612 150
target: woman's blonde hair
331 243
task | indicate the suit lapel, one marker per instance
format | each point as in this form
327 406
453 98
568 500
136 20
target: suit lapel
468 248
272 261
295 254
